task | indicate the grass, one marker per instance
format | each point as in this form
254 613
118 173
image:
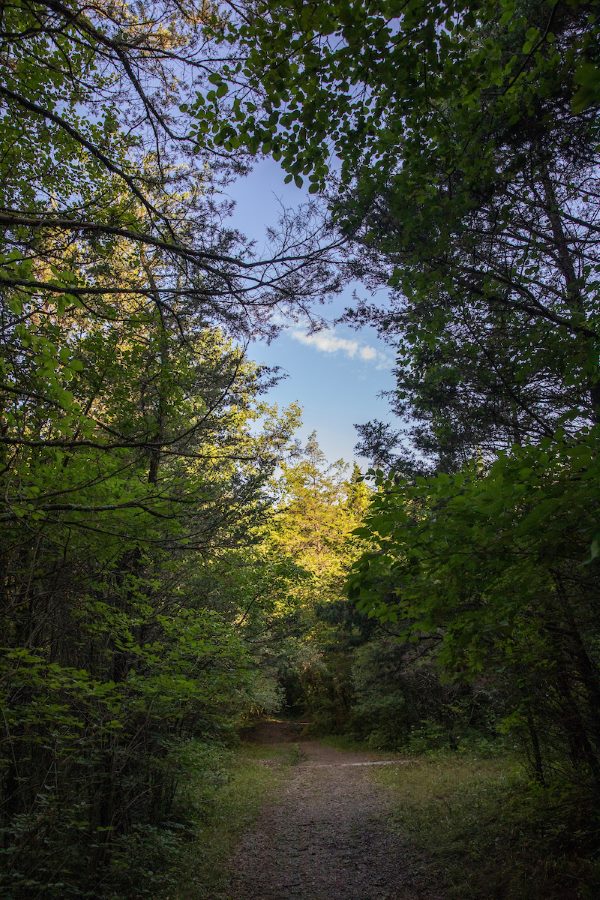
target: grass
284 754
249 775
342 742
489 833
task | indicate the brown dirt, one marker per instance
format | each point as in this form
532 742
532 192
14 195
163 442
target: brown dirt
325 837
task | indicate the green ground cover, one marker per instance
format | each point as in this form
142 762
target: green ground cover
490 833
225 809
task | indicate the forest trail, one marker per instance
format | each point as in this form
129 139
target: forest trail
325 836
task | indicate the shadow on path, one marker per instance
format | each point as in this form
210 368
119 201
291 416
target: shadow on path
325 837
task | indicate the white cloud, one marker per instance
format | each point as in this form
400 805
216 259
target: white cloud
327 341
368 353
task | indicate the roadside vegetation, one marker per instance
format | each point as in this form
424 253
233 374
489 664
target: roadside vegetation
247 778
489 833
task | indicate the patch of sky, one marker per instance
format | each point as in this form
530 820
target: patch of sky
336 374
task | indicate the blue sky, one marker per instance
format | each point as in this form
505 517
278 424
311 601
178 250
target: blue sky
336 375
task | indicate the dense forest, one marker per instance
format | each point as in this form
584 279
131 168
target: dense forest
174 561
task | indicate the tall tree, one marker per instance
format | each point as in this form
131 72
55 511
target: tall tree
456 144
467 149
134 444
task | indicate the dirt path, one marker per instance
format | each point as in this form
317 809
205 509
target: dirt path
325 837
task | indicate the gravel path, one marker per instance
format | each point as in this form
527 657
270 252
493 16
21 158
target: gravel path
325 837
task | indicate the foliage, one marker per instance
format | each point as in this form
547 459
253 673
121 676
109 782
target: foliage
459 158
220 812
494 565
136 451
168 569
309 540
400 701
